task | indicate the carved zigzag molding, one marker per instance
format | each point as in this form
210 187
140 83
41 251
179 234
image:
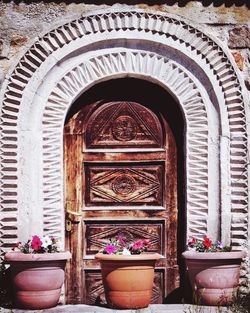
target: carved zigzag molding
123 24
145 64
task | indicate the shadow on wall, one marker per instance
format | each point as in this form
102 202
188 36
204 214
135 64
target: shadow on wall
180 3
183 294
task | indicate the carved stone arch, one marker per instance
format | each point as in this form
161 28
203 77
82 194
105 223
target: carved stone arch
29 90
187 92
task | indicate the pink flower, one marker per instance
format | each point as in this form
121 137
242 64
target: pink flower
119 246
192 242
137 245
110 249
121 240
18 244
36 243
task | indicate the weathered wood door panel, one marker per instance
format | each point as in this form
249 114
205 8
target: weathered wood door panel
124 184
120 170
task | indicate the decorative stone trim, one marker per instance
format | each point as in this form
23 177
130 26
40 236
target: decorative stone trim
145 65
163 30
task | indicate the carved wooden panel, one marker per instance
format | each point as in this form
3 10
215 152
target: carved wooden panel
119 190
94 287
158 286
95 290
124 185
123 124
99 233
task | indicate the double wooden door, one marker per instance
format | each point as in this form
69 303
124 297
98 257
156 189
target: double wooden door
120 178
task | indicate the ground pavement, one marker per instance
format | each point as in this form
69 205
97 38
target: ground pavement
153 308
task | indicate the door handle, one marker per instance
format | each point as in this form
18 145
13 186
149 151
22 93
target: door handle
68 225
72 218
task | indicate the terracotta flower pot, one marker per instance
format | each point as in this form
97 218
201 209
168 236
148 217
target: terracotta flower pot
128 279
214 276
37 278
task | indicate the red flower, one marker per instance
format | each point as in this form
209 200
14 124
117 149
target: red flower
206 243
36 243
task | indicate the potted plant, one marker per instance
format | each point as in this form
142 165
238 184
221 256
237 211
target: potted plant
213 270
37 272
127 273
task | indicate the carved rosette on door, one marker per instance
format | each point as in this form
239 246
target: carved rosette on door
124 185
123 125
120 164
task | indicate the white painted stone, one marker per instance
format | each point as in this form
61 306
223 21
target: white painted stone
195 68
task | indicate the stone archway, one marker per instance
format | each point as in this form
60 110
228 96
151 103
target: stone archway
161 48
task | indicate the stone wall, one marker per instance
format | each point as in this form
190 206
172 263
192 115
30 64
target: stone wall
23 21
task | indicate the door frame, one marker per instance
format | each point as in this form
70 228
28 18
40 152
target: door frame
74 149
47 80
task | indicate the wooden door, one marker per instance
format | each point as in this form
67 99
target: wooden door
120 177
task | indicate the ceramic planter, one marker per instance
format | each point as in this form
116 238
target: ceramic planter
37 278
214 276
128 280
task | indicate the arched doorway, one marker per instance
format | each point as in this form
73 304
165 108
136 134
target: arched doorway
121 153
159 47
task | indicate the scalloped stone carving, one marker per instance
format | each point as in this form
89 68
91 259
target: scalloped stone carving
145 33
